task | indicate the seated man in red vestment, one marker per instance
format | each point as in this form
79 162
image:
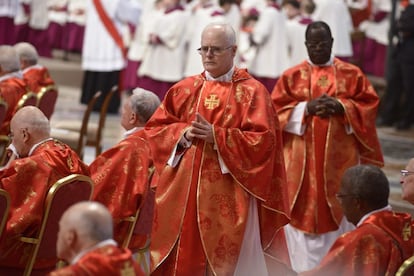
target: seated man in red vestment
12 85
383 238
327 110
37 163
85 242
217 147
35 75
407 182
121 174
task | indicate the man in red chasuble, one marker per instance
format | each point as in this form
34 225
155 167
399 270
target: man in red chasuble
122 173
85 241
37 162
327 110
382 240
217 145
35 75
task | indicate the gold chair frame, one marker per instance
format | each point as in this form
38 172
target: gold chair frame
48 205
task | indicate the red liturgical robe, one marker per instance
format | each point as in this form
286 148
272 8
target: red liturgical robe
28 180
37 77
195 202
316 160
11 90
377 247
106 260
121 177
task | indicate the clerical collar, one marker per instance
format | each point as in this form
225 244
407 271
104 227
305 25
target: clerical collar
36 66
17 74
98 245
386 208
329 63
132 130
38 144
225 78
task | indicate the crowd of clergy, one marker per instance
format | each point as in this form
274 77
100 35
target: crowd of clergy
357 232
276 26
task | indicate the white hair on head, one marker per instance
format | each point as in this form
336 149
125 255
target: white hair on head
144 103
226 28
9 61
27 52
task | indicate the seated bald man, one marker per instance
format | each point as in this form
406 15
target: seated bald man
85 242
37 163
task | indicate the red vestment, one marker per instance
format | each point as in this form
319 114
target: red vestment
28 180
105 260
36 77
316 160
12 89
121 176
377 247
200 211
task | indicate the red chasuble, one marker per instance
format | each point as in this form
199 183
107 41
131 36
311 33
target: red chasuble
106 260
377 247
316 161
201 212
37 77
11 90
27 180
121 176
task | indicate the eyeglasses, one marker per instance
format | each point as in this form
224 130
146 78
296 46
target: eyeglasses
213 50
405 172
319 44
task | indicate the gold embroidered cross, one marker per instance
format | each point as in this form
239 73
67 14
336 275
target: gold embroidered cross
323 81
406 232
128 270
211 102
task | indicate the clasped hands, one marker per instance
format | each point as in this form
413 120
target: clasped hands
201 129
324 106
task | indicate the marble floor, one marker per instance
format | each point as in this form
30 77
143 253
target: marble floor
398 146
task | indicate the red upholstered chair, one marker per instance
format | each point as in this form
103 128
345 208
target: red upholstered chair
4 139
46 100
29 98
4 208
140 224
64 193
407 268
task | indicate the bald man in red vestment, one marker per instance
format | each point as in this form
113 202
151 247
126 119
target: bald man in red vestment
383 238
37 163
12 85
216 143
327 110
85 242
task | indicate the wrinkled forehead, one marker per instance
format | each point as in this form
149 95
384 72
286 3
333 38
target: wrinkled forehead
214 37
410 165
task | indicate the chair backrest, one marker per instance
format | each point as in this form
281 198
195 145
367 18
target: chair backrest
102 119
4 208
46 100
4 143
141 222
29 98
3 110
61 195
407 268
85 120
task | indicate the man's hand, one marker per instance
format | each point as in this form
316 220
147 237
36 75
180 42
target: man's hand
201 129
324 107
